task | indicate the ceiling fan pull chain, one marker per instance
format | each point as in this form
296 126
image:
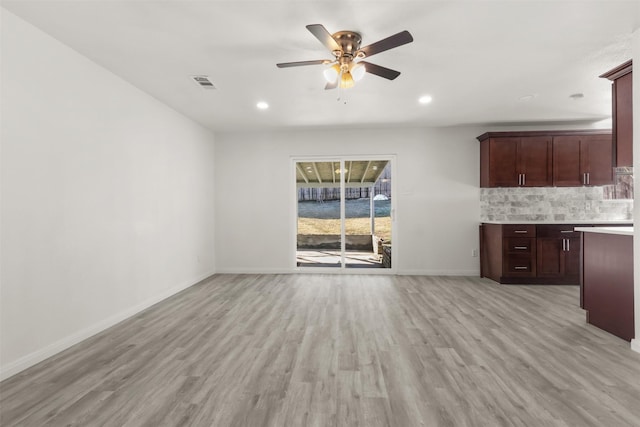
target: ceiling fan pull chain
340 88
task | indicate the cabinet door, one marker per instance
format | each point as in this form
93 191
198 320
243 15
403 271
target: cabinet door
502 162
623 119
566 161
559 258
597 159
571 260
549 256
558 253
534 161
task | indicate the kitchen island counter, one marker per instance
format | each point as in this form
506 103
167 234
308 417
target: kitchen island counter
607 279
623 231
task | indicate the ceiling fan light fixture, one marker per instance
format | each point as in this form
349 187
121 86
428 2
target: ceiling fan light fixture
347 81
331 74
358 71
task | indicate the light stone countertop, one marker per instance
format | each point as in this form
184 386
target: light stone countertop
604 222
624 231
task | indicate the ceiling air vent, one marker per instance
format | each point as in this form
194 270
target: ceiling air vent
203 81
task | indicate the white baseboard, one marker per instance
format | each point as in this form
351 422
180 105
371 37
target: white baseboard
254 271
38 356
324 270
635 345
475 273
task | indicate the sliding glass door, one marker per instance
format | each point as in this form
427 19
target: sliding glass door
343 213
319 228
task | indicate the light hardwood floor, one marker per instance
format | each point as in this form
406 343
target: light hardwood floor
340 350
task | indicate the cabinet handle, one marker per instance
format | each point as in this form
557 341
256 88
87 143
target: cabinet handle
521 247
568 245
566 231
588 178
524 179
520 268
584 179
520 231
564 246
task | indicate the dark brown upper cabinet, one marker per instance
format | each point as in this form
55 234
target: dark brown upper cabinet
622 112
582 160
515 161
532 159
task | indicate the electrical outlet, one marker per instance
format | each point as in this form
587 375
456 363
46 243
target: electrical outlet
474 253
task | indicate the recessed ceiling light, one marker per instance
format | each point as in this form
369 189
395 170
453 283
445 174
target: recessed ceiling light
425 99
262 105
526 98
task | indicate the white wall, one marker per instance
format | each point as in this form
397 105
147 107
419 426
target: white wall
107 198
437 195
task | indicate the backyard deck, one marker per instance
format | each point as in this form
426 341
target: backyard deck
331 258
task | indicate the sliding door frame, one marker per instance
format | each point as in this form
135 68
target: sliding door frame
343 269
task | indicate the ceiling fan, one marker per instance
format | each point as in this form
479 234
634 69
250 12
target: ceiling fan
348 65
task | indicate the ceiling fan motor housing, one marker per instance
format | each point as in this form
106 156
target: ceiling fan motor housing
349 41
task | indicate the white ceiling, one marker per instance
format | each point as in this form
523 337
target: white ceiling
477 59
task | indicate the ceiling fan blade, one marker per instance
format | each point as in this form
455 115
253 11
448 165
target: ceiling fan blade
331 85
395 40
301 63
324 36
378 70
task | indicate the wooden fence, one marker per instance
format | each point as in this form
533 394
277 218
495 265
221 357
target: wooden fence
383 186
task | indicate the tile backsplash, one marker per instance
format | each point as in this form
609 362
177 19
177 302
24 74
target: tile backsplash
622 187
553 204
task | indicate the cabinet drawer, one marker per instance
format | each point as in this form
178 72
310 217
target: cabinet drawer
519 265
522 245
516 230
557 230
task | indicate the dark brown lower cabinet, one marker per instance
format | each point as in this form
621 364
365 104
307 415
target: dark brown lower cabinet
558 253
508 252
555 254
548 254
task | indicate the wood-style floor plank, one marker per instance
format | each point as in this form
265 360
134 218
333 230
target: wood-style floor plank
334 350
